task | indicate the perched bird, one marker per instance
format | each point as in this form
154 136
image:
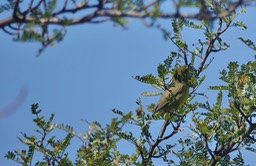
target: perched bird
176 93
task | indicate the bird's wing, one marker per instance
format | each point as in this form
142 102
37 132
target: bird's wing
162 101
166 98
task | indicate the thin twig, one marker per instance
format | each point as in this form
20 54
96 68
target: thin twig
65 4
9 33
242 113
104 12
15 10
206 146
158 140
210 47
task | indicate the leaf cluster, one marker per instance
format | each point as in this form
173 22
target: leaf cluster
44 21
52 149
219 130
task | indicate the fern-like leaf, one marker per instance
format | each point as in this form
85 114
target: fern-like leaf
233 67
191 24
219 87
154 93
66 142
148 79
177 25
162 71
69 129
248 42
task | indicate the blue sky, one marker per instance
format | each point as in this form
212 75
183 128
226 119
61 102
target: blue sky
90 72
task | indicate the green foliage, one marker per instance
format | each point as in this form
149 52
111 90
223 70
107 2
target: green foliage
248 42
101 143
36 31
53 150
232 128
177 25
240 24
218 130
45 15
50 7
7 6
119 20
149 79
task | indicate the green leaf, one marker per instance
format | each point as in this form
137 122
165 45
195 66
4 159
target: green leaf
177 25
117 112
248 42
219 87
148 79
162 71
34 109
223 76
30 154
7 6
154 93
181 44
119 20
51 5
233 68
168 61
66 142
48 125
238 160
191 24
10 155
205 106
127 136
240 24
69 129
251 149
219 100
155 11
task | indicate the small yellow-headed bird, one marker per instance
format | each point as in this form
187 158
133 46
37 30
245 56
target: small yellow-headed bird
177 92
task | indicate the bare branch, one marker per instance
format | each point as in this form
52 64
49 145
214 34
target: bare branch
210 47
242 113
65 5
158 140
101 10
206 146
10 33
15 11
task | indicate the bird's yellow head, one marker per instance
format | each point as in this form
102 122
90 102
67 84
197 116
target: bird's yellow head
182 73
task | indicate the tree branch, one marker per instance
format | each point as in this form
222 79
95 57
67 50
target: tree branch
211 42
101 10
159 138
